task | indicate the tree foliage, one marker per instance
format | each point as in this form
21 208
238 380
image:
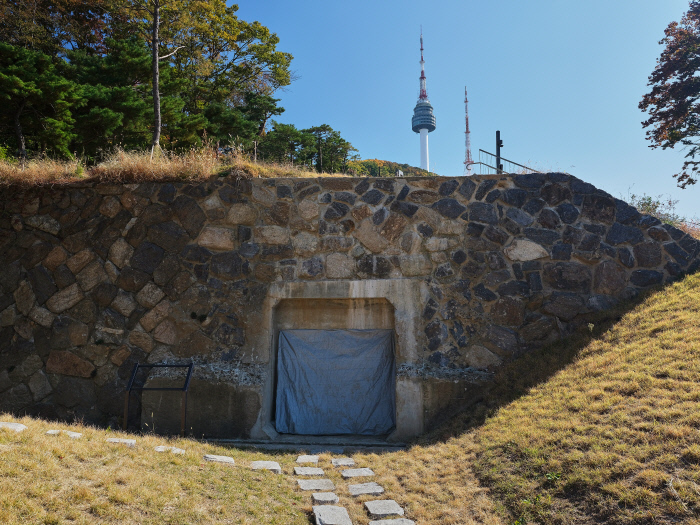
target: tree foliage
673 104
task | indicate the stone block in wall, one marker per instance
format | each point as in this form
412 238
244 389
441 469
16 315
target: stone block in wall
217 238
65 299
274 235
570 276
24 298
369 237
67 363
81 259
339 266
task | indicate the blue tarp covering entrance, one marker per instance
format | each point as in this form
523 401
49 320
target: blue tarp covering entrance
336 382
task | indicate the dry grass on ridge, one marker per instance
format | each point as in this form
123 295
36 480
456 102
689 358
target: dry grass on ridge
137 166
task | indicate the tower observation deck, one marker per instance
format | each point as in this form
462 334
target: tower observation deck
423 120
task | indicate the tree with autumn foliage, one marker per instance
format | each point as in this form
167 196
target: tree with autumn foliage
673 104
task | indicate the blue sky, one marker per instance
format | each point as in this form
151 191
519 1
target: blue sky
560 79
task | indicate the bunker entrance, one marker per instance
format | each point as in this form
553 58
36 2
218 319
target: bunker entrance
335 367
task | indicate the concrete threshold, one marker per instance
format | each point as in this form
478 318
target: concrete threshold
315 444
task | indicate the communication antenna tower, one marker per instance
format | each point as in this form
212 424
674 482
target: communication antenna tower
467 140
423 120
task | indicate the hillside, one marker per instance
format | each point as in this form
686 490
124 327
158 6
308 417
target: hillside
384 168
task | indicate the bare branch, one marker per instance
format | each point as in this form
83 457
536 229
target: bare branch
171 54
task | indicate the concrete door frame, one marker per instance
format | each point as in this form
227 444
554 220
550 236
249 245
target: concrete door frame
407 296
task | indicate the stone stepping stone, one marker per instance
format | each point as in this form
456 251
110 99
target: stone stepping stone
219 459
372 488
308 471
343 462
324 485
395 521
272 466
383 508
72 435
307 459
324 498
357 473
174 450
120 441
16 427
331 515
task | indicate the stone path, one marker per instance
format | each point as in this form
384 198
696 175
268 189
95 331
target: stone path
325 508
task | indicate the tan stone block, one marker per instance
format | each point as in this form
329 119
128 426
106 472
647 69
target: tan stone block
265 272
217 238
120 252
436 244
92 275
150 295
80 260
155 316
68 364
44 223
242 214
212 203
339 266
96 354
24 297
120 355
450 227
263 196
55 258
360 214
39 385
308 210
111 271
271 235
438 257
369 237
410 242
393 227
141 340
65 299
522 250
41 316
480 357
305 243
124 303
415 265
166 332
110 207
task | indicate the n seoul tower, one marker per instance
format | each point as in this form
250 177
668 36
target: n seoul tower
423 121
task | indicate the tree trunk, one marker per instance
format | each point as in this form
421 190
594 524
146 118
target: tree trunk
21 148
155 143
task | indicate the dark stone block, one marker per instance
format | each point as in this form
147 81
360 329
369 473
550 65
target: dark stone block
448 187
568 276
132 280
508 311
444 270
658 234
534 281
459 257
276 252
519 217
284 192
646 277
300 185
461 288
558 177
449 208
389 200
278 214
167 193
561 252
147 257
568 213
530 180
424 229
647 221
467 188
430 309
482 212
493 196
674 232
673 269
196 254
580 187
168 235
436 329
590 242
496 261
308 192
374 266
620 233
484 293
648 254
373 197
520 288
227 265
362 187
549 219
533 206
610 278
437 358
42 283
598 229
475 229
406 208
503 338
515 197
485 187
190 215
599 209
103 294
518 271
472 269
336 210
385 185
345 196
625 214
312 267
459 335
565 305
690 245
244 233
249 250
380 216
678 253
495 234
542 236
553 194
625 256
325 198
403 193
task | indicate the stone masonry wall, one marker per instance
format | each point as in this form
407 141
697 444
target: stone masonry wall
95 277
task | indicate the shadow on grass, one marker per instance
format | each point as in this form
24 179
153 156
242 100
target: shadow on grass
515 379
